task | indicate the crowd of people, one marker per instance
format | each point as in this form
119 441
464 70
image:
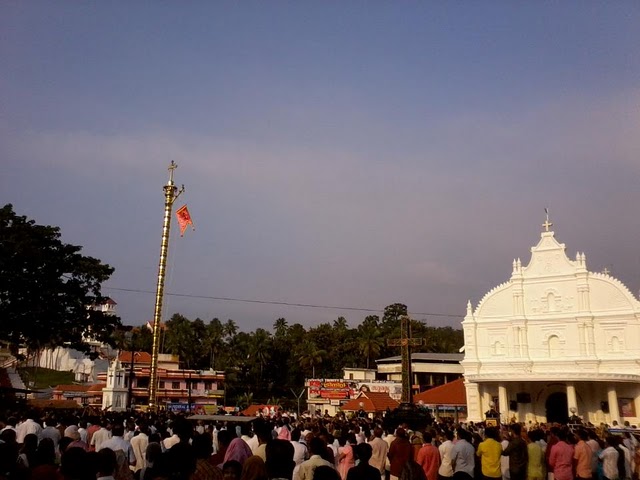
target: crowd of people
49 445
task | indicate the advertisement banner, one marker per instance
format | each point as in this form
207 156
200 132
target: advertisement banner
335 389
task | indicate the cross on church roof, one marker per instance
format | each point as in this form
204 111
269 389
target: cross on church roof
547 224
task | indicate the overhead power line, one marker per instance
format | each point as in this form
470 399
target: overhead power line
274 302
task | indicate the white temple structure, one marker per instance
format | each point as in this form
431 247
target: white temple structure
115 395
554 341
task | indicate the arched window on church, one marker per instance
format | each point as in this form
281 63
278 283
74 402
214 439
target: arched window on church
616 345
497 348
551 302
554 346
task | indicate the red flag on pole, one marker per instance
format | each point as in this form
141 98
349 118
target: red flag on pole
184 219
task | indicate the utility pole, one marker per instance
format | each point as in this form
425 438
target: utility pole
171 193
189 400
298 397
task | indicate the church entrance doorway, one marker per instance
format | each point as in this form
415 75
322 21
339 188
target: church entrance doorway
557 408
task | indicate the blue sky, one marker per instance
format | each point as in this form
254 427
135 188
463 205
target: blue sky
334 153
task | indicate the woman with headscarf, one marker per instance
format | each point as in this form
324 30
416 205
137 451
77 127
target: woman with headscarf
238 450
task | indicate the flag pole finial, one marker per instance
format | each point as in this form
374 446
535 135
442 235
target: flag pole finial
171 169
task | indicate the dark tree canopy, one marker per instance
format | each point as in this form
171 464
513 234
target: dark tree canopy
266 366
48 288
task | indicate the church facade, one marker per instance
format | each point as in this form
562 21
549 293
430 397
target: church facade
552 342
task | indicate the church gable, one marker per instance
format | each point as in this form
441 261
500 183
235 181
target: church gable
548 258
609 294
497 303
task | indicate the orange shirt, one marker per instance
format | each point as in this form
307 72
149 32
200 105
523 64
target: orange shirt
582 455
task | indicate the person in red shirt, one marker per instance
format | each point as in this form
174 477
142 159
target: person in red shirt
399 453
561 458
429 458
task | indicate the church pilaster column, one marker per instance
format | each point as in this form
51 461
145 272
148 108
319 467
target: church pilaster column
474 407
503 400
516 337
572 400
524 342
612 397
487 398
582 338
591 338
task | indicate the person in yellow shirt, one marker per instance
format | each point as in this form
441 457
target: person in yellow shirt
490 452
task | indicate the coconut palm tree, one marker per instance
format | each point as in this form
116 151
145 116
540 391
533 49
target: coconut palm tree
280 327
369 340
261 346
230 329
214 340
310 356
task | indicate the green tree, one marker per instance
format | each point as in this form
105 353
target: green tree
214 340
369 338
280 327
310 356
181 339
230 329
48 288
260 348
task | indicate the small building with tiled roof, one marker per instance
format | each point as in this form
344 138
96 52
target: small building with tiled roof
140 358
450 394
49 404
448 400
86 395
370 402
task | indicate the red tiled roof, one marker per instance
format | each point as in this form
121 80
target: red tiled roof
97 387
452 393
71 388
44 403
139 357
371 402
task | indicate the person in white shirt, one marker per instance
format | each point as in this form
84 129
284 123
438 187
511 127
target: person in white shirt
100 436
117 442
389 438
504 462
609 457
130 430
305 469
26 427
299 450
249 438
169 442
139 445
82 430
446 467
380 448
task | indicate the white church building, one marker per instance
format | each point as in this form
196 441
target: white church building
554 341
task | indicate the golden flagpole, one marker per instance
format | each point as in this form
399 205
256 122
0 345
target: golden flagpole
171 193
